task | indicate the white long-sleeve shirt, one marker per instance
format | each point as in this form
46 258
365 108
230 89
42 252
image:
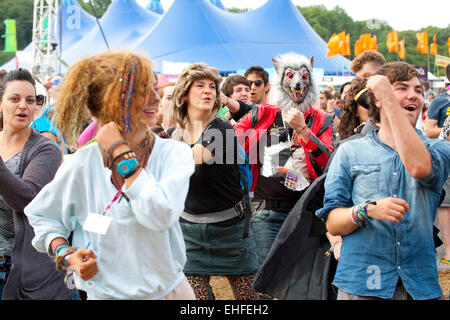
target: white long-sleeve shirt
142 255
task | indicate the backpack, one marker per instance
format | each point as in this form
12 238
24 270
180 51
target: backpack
245 177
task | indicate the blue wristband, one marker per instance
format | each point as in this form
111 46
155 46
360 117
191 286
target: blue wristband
125 167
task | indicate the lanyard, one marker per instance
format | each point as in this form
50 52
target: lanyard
113 200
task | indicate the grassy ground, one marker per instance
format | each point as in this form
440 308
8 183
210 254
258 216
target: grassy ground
222 289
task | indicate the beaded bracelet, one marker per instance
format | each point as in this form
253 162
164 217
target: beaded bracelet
113 146
55 247
59 260
359 213
126 155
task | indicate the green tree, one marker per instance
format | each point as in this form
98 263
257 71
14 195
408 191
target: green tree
234 9
100 6
326 22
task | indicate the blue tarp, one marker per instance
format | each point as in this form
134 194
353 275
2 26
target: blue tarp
197 31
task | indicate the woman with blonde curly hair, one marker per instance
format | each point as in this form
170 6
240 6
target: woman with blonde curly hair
121 195
213 221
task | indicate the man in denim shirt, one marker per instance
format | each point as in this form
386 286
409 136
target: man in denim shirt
381 195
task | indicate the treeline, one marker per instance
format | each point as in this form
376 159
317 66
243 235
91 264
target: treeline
324 22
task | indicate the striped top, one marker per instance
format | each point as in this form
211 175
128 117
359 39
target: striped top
6 212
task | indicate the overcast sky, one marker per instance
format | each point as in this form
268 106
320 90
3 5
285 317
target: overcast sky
400 14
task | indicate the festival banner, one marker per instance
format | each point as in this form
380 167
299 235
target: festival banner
442 61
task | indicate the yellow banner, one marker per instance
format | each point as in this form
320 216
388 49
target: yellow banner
442 61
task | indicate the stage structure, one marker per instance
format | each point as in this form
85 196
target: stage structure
44 40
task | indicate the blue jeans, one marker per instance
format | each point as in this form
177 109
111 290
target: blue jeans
5 267
266 224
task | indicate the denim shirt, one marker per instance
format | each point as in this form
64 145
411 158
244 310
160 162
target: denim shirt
372 258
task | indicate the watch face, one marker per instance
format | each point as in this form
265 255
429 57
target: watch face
126 166
123 167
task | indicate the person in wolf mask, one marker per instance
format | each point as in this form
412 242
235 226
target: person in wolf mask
288 144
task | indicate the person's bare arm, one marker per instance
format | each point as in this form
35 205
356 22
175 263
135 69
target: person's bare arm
430 129
411 149
340 222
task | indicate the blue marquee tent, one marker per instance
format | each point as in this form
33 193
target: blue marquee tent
218 4
198 31
123 25
155 6
74 23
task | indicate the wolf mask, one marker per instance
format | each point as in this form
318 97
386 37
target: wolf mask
294 85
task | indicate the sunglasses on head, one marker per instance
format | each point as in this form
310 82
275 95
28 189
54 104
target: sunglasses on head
257 83
40 99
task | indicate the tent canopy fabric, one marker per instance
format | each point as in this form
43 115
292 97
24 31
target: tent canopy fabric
218 4
155 6
123 25
74 23
197 31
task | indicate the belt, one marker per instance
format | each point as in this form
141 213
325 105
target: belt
214 217
280 205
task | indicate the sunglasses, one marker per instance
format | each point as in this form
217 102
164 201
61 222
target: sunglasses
40 100
257 83
362 98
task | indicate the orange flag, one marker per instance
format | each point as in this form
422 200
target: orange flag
401 53
333 46
433 46
347 45
422 42
392 41
448 44
337 44
373 43
365 42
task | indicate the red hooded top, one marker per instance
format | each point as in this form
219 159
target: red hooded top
248 137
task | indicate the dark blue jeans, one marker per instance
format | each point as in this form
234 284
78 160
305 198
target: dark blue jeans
266 224
5 267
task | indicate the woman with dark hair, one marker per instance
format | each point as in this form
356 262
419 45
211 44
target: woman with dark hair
122 194
28 161
213 221
354 116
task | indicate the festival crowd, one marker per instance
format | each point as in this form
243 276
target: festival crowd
115 186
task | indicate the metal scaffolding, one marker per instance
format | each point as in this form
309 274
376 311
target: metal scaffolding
45 23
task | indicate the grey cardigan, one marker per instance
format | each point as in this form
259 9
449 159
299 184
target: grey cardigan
33 274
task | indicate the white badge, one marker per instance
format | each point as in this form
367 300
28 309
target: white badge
97 223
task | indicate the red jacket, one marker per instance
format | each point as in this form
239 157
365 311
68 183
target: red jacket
248 137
